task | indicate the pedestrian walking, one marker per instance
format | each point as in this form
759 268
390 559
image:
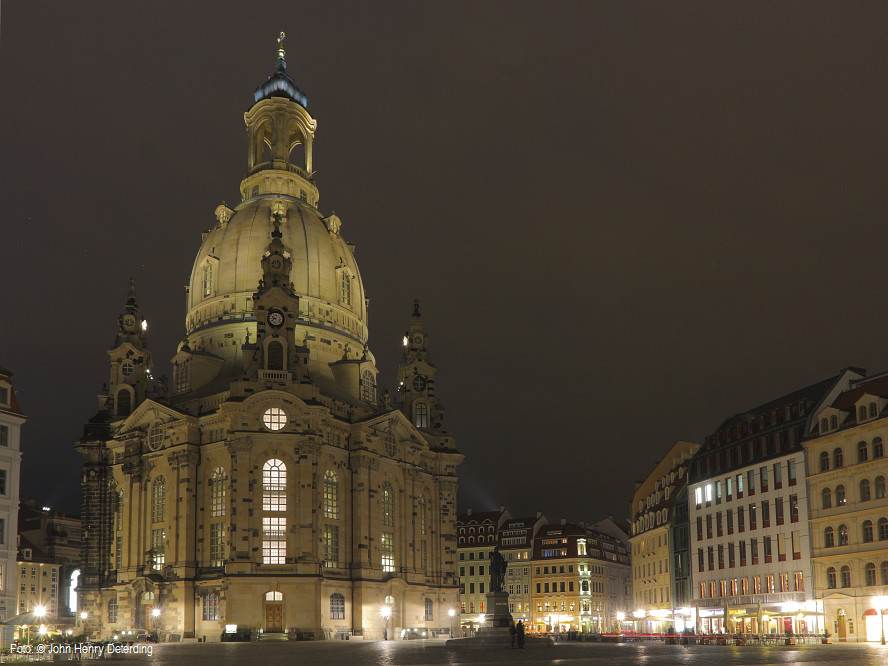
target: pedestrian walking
520 631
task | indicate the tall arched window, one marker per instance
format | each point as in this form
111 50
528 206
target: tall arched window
274 486
388 505
421 415
345 295
867 531
846 576
824 462
838 458
883 529
337 606
275 355
870 571
207 279
421 510
217 493
884 569
831 578
861 452
872 410
368 387
829 539
840 495
124 402
833 422
878 448
119 510
824 425
843 535
880 487
827 498
865 490
331 495
861 413
158 500
211 607
428 610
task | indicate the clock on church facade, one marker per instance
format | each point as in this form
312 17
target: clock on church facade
269 486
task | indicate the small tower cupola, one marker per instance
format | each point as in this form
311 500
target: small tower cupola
130 359
280 134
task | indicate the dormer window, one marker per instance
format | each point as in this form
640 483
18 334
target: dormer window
207 280
345 289
4 395
873 410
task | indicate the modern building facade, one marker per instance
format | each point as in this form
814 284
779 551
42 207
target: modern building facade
269 487
748 510
847 472
11 420
660 546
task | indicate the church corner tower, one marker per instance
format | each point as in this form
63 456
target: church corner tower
273 488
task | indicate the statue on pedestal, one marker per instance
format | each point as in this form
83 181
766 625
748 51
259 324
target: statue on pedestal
497 571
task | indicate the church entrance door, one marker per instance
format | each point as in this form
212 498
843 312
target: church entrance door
274 618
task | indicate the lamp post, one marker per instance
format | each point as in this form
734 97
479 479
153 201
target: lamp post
156 614
620 617
386 612
451 613
880 603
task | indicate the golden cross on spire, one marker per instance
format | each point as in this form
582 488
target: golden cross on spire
281 45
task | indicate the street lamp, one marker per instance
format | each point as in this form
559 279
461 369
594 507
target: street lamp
84 615
451 613
156 614
880 604
386 614
620 617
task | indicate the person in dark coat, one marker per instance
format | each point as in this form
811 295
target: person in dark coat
520 631
514 633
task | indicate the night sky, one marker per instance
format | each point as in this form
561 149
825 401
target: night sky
625 221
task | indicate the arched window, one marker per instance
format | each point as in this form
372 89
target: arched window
861 413
883 529
878 448
824 425
337 606
211 606
872 410
428 610
831 578
838 458
274 486
584 586
421 510
833 422
275 355
884 569
880 487
388 505
861 452
846 576
840 495
217 493
843 535
827 498
829 539
112 610
865 490
124 402
207 279
274 596
158 500
331 495
345 295
867 531
824 462
421 415
870 573
368 387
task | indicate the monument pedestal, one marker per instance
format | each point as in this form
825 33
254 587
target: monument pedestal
498 614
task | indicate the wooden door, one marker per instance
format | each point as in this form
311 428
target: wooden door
274 618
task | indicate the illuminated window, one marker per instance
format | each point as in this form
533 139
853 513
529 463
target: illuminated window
428 610
331 496
158 500
158 547
112 610
274 596
345 294
840 495
368 387
843 535
274 486
274 540
388 505
274 418
217 544
208 280
217 493
331 546
155 438
211 607
387 549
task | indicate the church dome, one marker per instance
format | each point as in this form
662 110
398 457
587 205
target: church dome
227 269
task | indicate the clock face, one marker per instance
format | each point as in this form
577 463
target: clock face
275 318
417 340
419 383
129 321
276 263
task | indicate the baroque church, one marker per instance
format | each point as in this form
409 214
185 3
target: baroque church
269 488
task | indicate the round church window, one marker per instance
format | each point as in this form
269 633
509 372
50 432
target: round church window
274 418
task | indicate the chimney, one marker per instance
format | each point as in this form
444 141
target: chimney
502 508
539 514
468 512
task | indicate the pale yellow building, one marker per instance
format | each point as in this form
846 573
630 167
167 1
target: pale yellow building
847 472
38 581
269 487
